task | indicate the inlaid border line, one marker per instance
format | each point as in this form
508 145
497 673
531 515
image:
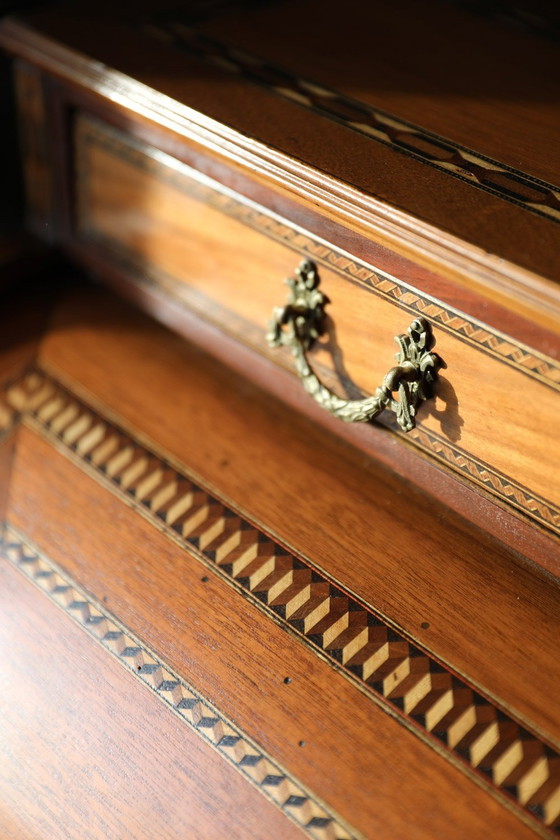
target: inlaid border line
527 503
200 187
309 813
462 163
511 768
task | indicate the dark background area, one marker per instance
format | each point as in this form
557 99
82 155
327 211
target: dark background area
11 192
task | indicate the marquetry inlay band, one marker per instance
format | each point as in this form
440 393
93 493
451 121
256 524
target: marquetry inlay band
494 749
484 338
441 153
234 745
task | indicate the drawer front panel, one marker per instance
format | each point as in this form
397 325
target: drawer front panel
494 415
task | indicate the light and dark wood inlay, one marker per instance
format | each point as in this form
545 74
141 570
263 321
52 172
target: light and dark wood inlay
483 474
499 752
235 746
441 153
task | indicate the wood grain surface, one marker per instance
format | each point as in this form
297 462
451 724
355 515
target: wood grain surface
220 617
346 503
89 752
458 593
417 63
406 556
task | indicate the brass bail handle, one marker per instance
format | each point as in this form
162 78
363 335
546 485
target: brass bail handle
300 323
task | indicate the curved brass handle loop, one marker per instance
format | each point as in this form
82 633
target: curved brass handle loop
297 326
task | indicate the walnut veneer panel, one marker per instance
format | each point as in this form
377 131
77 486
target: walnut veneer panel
179 531
225 258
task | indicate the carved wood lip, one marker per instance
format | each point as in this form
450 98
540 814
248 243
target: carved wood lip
345 203
38 381
166 684
483 337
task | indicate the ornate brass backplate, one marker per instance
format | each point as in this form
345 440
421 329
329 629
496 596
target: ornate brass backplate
300 323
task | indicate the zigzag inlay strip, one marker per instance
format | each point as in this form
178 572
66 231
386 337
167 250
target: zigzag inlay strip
235 746
441 153
457 720
490 479
502 347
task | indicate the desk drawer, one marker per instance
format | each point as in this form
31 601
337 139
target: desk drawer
169 227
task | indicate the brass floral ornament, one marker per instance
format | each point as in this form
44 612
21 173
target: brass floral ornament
300 323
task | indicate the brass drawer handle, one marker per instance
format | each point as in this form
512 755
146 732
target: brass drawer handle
298 324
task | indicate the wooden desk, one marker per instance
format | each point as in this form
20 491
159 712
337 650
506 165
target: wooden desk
292 624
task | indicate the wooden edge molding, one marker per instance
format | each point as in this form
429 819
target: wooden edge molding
202 188
477 734
407 234
316 819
